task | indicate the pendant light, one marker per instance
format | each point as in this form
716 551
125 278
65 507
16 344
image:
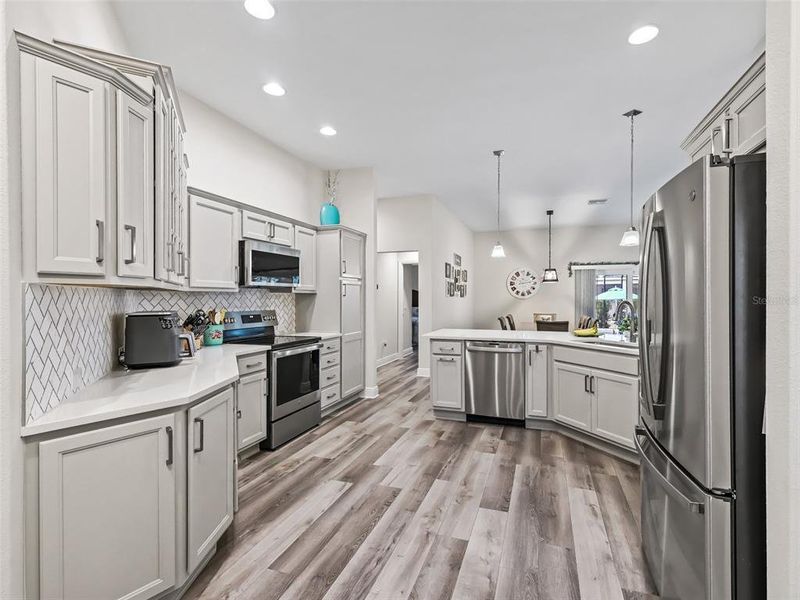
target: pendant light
497 251
631 235
550 274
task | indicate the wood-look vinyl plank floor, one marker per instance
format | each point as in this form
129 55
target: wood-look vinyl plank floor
382 501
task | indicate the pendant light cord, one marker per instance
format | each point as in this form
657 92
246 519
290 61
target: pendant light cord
499 153
632 170
549 239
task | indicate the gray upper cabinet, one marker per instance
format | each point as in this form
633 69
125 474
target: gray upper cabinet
737 123
107 512
256 226
213 244
135 162
352 264
210 476
66 165
305 240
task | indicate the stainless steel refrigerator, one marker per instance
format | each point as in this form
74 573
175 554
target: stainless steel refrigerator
702 343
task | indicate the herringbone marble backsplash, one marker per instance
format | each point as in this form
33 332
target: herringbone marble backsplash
72 333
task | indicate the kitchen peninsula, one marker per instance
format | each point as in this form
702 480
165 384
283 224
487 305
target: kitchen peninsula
586 388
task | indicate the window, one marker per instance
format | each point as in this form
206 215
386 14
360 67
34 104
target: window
598 293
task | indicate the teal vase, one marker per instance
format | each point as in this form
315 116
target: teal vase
329 214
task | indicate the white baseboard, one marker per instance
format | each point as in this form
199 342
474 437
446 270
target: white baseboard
370 392
423 372
408 351
387 359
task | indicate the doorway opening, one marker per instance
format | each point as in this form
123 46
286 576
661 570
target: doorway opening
397 305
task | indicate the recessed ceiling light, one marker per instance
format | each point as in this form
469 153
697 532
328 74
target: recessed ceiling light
327 130
274 89
260 9
642 35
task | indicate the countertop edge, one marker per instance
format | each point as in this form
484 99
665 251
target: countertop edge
527 337
51 422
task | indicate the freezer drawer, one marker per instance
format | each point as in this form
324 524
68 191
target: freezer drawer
685 531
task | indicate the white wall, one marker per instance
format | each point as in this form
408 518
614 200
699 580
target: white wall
528 248
387 298
231 160
783 293
358 209
422 224
451 236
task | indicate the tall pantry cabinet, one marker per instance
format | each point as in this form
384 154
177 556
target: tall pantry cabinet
338 305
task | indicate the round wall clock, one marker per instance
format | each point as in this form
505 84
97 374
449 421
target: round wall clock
522 283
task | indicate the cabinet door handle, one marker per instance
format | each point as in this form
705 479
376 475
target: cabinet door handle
344 266
132 259
202 434
170 451
236 275
726 135
271 230
170 256
591 384
586 384
101 241
182 268
344 291
239 414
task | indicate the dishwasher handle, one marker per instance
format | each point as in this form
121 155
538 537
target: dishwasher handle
495 349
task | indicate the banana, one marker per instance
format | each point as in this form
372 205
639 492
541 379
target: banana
588 332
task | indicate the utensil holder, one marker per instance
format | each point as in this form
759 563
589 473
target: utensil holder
213 335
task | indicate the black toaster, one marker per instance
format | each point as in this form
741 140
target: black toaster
154 339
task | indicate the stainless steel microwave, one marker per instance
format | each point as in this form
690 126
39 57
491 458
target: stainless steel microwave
268 265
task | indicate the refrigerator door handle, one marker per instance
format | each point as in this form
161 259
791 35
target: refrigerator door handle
675 493
644 323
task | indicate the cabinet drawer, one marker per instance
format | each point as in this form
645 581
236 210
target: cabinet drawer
332 345
598 359
329 360
329 376
251 364
448 347
330 395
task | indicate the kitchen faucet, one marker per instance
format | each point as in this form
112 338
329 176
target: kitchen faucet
634 330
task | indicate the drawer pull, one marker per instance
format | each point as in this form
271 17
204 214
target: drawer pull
331 395
252 365
442 359
329 377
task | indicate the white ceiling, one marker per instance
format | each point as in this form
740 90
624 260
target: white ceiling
424 91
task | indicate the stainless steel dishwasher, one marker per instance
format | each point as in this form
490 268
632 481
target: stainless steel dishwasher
495 379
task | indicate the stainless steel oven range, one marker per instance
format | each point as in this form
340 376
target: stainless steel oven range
293 403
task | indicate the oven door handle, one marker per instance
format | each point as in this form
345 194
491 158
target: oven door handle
297 350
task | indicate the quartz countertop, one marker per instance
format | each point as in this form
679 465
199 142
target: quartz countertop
325 335
140 391
561 338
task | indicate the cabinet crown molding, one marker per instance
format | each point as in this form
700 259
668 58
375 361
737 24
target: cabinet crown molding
84 64
758 66
162 74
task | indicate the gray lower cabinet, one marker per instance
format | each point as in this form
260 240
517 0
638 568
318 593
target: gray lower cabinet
210 474
252 409
447 382
572 399
536 380
107 512
616 405
600 402
352 344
